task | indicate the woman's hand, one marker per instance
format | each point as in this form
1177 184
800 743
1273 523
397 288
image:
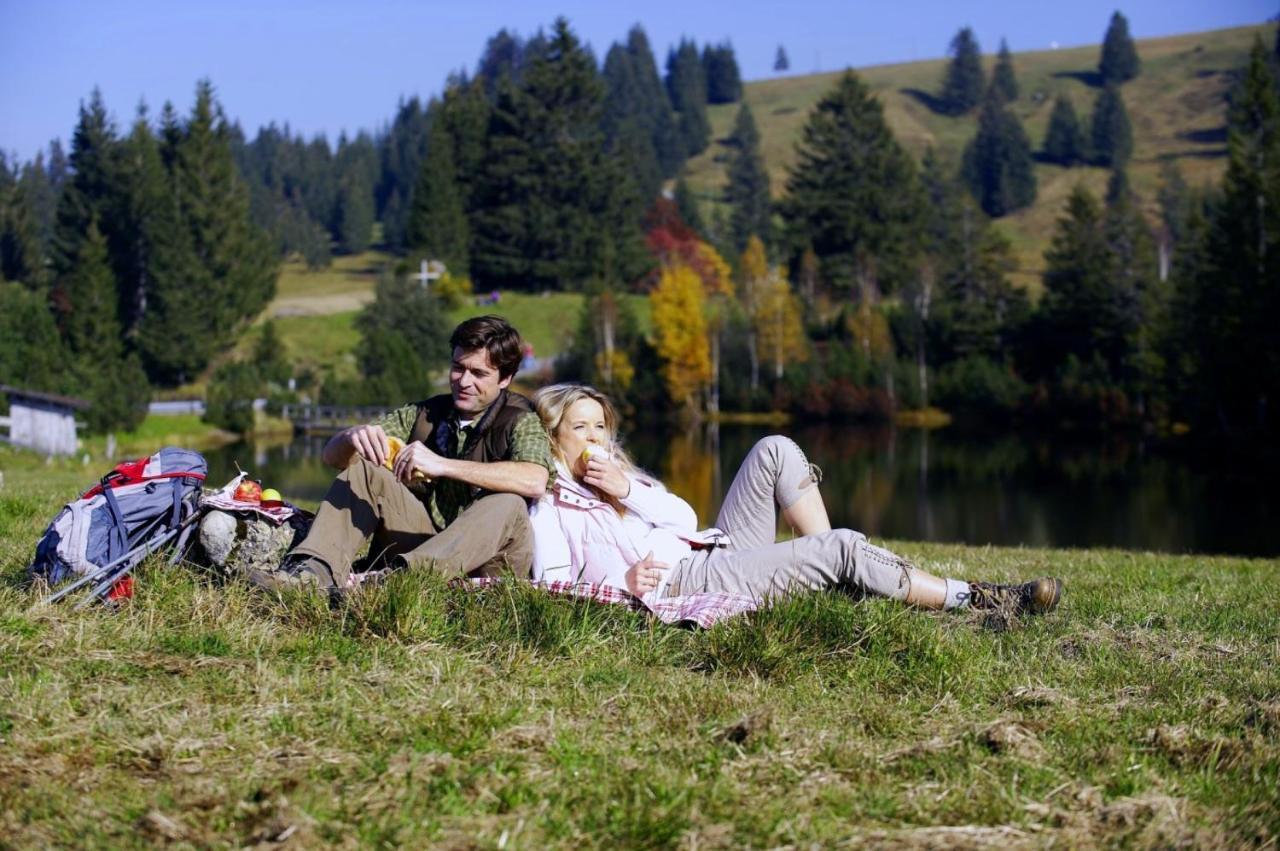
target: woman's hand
607 477
644 575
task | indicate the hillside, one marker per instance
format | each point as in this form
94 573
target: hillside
1177 106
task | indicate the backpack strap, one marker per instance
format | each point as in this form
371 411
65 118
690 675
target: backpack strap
117 539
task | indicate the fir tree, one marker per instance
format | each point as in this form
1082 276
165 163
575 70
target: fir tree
503 57
31 353
720 67
1240 284
668 143
148 218
1119 59
553 210
21 253
781 63
962 86
1064 140
1112 133
1139 302
401 153
39 193
628 119
357 169
438 225
747 194
997 163
94 163
219 255
852 194
687 87
1003 80
687 205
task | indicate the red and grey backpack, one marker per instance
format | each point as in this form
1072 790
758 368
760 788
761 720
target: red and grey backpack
135 503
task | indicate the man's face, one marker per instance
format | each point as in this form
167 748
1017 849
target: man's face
474 381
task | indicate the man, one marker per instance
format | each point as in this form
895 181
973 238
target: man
454 497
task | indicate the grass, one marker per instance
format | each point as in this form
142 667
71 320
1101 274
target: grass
1177 106
1146 712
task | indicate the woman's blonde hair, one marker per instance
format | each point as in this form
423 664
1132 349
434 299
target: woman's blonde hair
553 402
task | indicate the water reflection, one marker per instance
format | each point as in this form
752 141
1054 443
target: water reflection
939 486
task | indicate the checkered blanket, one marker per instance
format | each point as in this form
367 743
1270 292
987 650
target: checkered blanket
704 609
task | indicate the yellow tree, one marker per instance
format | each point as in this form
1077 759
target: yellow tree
753 274
717 283
870 328
680 331
779 324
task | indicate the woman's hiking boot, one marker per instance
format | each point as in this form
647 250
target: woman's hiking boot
295 572
1030 598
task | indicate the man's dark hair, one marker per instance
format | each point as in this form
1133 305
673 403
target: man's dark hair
496 336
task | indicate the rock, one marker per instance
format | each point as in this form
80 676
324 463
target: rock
235 543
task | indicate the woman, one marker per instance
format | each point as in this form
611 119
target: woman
606 522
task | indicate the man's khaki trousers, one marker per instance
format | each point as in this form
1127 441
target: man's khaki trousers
368 503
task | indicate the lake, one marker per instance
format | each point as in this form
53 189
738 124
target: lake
941 485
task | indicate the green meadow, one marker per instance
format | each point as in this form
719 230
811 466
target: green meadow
1144 713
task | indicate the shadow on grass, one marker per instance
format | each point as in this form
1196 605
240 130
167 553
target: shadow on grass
1211 136
1092 79
932 102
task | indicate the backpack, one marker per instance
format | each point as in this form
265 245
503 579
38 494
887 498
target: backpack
133 504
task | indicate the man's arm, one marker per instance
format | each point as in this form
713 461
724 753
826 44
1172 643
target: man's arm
525 478
369 441
527 473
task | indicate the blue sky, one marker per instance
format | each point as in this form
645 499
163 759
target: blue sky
324 67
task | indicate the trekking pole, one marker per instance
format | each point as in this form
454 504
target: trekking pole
152 546
96 574
114 572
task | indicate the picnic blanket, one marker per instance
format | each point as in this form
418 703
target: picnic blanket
703 609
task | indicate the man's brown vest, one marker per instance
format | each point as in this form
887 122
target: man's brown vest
490 436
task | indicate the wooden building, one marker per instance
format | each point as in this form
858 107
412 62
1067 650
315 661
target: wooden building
42 422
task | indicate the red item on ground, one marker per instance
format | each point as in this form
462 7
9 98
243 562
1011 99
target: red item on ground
122 589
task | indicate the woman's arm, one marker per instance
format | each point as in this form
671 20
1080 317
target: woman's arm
660 507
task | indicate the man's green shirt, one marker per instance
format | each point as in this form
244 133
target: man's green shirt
447 498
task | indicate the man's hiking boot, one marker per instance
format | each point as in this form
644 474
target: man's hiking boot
297 572
1030 598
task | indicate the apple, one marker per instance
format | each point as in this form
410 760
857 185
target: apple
272 495
248 491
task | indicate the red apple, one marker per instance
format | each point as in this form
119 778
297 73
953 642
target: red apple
248 491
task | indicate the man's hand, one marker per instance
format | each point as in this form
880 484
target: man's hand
644 575
370 443
607 477
416 461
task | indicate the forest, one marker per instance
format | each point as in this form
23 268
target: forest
877 281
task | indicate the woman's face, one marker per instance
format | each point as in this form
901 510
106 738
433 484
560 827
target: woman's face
581 426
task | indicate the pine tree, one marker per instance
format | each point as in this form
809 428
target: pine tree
87 197
687 87
997 162
222 271
552 209
113 383
853 195
1064 140
145 188
21 253
438 225
1003 80
31 353
747 194
504 56
628 119
687 205
39 195
1119 59
464 113
357 170
401 150
720 67
1112 133
1240 286
781 63
962 86
1140 303
668 142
